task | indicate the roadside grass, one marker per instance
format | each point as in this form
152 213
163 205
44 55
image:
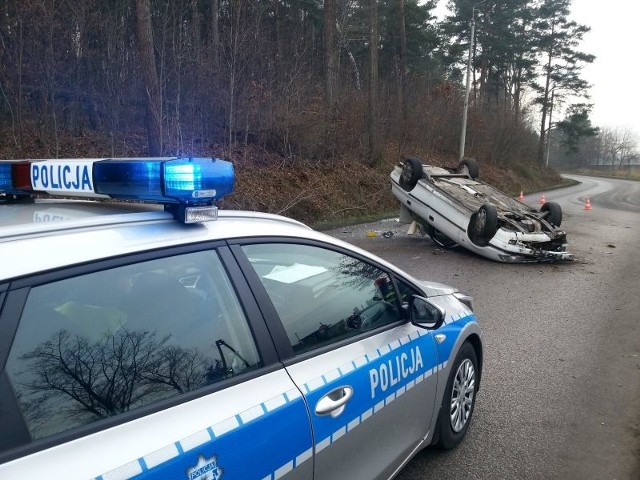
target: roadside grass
323 192
355 220
622 174
566 182
537 181
343 192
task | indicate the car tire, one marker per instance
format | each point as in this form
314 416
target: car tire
411 173
438 237
470 167
554 216
459 399
483 225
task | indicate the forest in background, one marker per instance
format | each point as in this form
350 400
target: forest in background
312 100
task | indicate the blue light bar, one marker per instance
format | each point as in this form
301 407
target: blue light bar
6 184
185 182
191 181
14 178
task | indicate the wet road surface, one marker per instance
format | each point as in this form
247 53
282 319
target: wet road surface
560 395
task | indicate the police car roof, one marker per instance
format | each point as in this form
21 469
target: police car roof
55 233
49 234
39 235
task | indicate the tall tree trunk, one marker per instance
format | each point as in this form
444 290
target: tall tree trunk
234 60
374 144
517 96
402 78
215 31
196 33
402 84
149 76
329 54
545 109
278 49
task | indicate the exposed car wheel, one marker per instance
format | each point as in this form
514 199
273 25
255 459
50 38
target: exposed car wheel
483 225
470 167
459 399
437 236
411 173
554 217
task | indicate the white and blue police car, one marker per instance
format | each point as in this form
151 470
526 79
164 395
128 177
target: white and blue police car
156 337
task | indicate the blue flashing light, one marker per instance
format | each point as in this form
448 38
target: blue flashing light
198 180
129 179
6 183
190 181
14 178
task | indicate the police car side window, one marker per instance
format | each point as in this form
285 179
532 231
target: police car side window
105 343
323 296
406 291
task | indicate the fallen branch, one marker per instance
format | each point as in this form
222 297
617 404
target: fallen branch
360 207
299 198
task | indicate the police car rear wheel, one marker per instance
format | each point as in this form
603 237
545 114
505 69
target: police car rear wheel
459 399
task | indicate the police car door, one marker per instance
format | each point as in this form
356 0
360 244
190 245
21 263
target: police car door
153 368
368 376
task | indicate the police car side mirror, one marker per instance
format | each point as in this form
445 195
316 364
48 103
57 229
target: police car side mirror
425 314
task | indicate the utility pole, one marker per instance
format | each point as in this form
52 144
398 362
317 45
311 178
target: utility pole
546 161
463 134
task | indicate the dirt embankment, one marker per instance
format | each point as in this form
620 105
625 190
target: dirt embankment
327 191
334 192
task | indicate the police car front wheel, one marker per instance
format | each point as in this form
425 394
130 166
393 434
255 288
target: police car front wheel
459 399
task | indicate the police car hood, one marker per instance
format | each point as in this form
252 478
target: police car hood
434 289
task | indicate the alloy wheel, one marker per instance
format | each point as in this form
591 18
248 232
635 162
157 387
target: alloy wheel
462 395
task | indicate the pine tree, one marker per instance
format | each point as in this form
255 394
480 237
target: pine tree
574 129
558 39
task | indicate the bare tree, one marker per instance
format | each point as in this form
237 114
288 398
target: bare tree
71 377
102 378
402 60
617 146
329 53
153 95
627 146
215 32
372 110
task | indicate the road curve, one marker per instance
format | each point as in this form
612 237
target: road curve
616 194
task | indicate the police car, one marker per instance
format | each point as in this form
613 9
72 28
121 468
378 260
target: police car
156 337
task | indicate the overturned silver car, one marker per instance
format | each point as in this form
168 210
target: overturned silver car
454 207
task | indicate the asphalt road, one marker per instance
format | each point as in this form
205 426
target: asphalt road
560 395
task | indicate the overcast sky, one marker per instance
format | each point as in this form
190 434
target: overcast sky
615 74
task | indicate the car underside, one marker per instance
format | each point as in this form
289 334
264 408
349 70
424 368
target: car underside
455 208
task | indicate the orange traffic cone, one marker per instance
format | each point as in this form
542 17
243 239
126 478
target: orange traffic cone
542 200
521 197
587 204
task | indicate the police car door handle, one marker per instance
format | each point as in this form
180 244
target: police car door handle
334 402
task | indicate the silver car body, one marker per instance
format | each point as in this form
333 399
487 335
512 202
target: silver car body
268 425
446 201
